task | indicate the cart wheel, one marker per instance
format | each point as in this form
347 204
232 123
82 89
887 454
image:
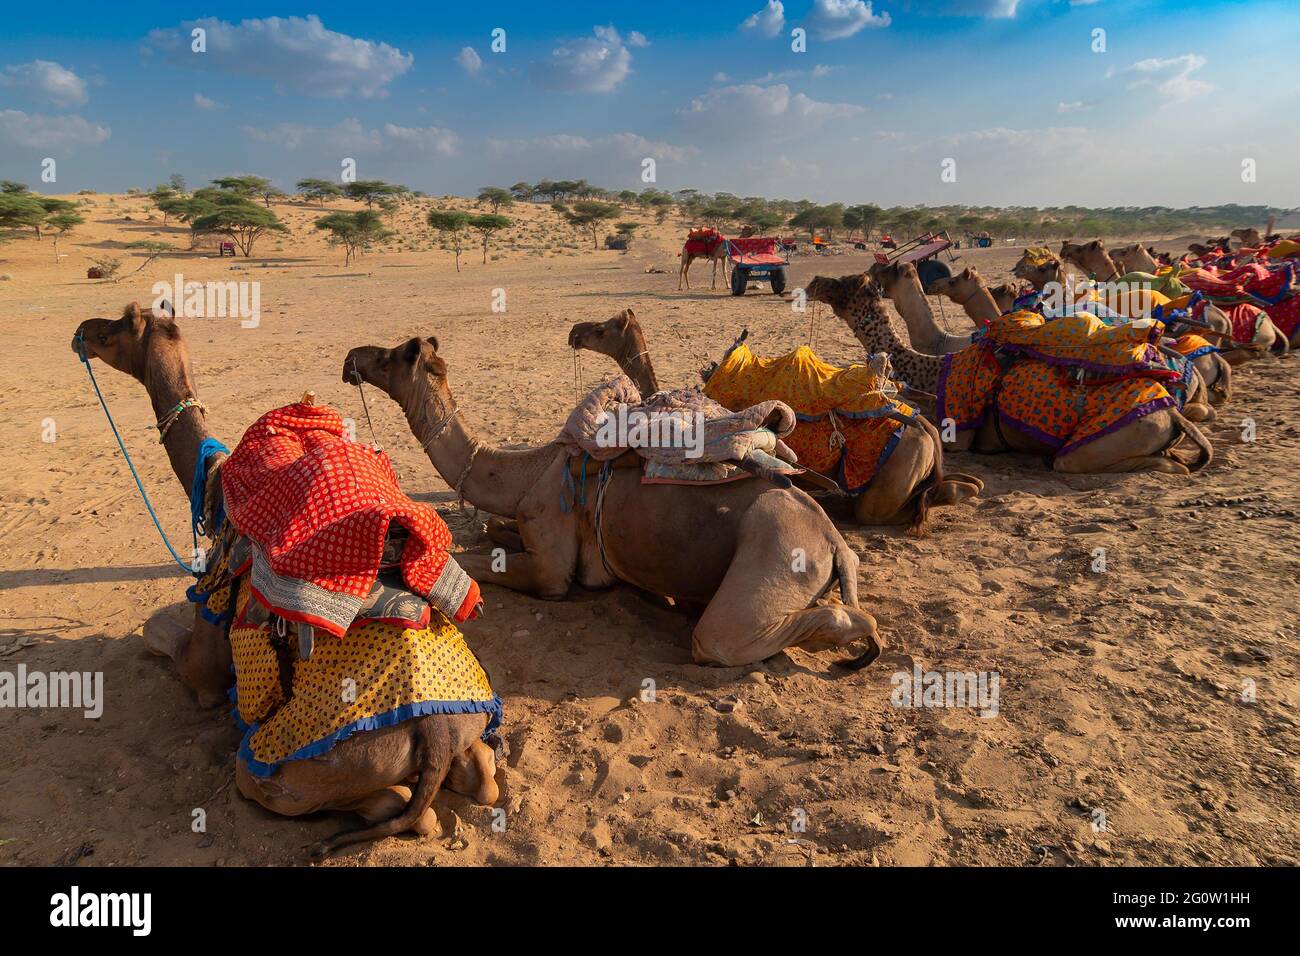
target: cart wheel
778 281
739 279
931 270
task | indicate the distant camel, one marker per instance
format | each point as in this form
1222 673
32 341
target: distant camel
715 253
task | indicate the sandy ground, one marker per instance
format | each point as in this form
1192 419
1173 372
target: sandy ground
1120 691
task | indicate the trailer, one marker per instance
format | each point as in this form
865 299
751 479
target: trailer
923 252
761 258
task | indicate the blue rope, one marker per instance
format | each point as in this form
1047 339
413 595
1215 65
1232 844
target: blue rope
199 485
81 353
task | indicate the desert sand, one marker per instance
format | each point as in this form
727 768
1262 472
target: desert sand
1120 691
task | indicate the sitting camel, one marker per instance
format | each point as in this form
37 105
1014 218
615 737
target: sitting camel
902 285
649 535
895 486
366 772
1135 258
1141 445
1092 258
714 254
1005 295
968 290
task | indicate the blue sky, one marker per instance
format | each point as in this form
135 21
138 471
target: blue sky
1012 91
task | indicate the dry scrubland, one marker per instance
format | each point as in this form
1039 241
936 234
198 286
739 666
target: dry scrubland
1119 690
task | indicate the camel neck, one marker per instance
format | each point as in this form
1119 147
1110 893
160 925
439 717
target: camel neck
981 306
493 479
871 326
634 360
922 328
167 380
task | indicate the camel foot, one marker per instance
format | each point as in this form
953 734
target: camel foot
505 532
1198 412
473 774
165 636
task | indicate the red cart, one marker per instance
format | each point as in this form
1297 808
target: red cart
923 251
762 258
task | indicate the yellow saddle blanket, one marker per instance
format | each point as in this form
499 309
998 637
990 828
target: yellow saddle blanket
376 675
1080 341
843 430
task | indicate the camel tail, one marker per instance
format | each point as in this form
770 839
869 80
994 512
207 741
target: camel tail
1198 438
433 742
1286 343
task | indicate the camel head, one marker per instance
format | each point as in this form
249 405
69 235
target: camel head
1038 266
959 287
608 338
1091 257
841 294
1249 238
1134 258
134 343
890 276
410 374
1004 295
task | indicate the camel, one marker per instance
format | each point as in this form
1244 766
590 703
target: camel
902 285
367 772
621 339
1005 295
968 290
1142 445
724 547
1092 258
715 255
1135 258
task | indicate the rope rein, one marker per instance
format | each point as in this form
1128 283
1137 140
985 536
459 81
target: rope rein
85 360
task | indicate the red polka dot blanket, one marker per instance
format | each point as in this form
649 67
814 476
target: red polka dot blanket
317 508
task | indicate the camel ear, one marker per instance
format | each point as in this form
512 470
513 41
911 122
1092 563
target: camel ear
411 353
165 308
1095 244
133 316
433 340
967 272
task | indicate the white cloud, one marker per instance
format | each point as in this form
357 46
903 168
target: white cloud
350 137
753 111
993 9
469 60
33 131
427 139
767 22
620 147
1074 106
589 64
1172 78
47 81
203 103
295 53
838 19
637 39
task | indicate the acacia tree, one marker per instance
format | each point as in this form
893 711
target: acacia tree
63 223
242 222
247 186
590 214
371 191
451 223
19 211
486 226
354 231
319 189
496 197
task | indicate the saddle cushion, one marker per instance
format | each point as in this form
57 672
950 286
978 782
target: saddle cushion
843 429
378 675
317 508
1044 402
1081 341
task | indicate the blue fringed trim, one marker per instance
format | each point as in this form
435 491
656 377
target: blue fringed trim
194 596
391 718
209 448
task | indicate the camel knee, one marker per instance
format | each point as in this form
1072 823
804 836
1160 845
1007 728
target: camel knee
473 774
271 794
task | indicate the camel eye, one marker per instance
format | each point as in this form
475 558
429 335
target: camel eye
103 339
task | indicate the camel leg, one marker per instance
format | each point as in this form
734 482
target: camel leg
549 560
201 653
761 608
1138 446
505 532
685 273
